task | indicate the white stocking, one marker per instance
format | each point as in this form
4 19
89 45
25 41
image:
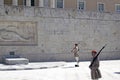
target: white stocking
77 60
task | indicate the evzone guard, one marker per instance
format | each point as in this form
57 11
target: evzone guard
76 55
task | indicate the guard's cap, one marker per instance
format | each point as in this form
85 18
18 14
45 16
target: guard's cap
93 51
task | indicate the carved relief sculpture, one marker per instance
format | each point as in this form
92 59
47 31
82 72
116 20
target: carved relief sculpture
18 33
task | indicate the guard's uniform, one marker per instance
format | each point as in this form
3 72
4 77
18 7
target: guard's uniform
76 55
95 72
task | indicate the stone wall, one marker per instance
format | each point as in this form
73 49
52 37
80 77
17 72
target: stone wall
42 34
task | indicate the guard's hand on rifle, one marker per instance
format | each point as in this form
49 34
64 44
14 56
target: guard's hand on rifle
90 67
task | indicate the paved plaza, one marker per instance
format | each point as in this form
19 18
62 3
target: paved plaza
110 70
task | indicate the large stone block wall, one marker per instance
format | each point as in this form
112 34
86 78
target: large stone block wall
42 34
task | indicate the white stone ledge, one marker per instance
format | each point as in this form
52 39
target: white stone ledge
13 61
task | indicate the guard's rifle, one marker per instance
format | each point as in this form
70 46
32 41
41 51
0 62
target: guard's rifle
96 56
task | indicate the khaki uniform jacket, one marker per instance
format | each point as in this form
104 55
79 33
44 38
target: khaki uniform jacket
75 50
95 72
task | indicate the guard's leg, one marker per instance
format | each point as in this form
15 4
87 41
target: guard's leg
77 60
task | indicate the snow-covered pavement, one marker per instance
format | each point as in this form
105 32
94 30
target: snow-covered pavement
110 70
